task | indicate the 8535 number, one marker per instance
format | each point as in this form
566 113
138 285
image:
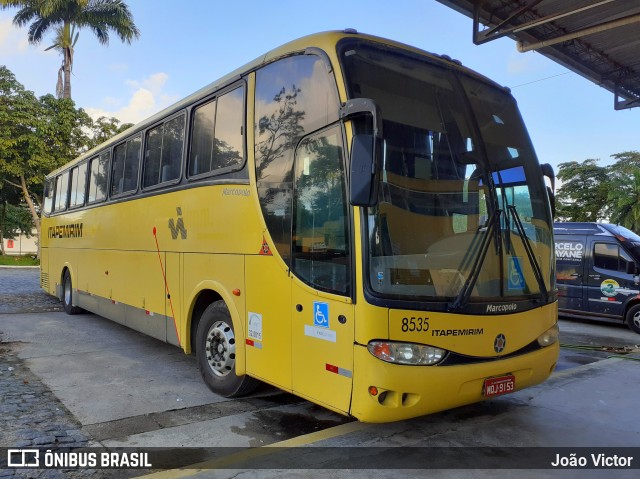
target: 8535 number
415 324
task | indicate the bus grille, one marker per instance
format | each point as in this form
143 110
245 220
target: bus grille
44 281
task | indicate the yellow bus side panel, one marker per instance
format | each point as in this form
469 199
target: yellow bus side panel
222 274
269 312
322 346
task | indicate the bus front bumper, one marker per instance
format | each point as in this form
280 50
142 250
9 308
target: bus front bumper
405 392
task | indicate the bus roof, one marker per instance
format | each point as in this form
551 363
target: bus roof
325 40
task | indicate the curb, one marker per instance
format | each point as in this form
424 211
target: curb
8 266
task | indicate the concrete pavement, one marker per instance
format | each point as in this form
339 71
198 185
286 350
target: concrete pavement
116 387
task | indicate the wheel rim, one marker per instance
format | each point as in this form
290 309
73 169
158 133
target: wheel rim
636 319
67 291
221 348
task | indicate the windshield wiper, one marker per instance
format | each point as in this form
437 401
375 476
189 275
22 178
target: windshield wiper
467 287
527 247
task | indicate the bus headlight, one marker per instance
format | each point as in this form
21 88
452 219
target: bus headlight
549 337
406 353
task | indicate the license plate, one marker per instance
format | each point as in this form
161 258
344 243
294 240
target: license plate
501 385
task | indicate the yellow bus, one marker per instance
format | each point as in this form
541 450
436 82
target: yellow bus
353 220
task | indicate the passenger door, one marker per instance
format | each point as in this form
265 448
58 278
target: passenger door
570 263
608 283
321 307
268 319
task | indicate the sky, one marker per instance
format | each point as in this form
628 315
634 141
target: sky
186 45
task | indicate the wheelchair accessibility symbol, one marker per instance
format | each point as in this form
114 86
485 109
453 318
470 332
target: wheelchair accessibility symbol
516 278
321 314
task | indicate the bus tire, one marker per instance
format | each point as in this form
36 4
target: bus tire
633 318
67 295
215 352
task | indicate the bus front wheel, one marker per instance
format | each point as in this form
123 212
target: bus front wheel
216 353
67 295
633 318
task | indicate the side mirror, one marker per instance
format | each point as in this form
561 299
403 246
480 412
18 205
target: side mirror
547 171
365 152
632 268
363 185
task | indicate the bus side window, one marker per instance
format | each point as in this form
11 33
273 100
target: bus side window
217 140
228 141
294 96
48 196
62 192
134 147
153 157
78 185
172 148
126 162
163 157
98 169
320 231
202 139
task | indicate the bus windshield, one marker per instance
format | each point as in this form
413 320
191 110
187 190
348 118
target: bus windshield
462 211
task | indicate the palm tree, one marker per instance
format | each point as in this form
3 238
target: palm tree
65 46
65 16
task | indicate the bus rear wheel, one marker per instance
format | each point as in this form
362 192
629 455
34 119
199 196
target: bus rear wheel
216 353
67 295
633 318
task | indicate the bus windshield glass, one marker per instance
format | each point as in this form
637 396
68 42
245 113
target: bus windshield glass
462 212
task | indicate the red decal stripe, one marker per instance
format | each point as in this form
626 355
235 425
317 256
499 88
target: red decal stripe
332 368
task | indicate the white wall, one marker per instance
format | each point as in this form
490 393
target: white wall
20 246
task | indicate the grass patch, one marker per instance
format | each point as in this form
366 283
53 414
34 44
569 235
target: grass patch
19 260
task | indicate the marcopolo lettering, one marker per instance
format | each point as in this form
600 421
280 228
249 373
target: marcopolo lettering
235 192
501 308
66 231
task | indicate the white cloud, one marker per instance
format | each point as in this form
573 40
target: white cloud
147 98
23 45
5 29
13 40
154 83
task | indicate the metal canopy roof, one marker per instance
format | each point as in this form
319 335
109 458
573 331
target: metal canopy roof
598 39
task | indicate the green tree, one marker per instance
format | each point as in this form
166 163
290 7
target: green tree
62 130
20 112
583 195
36 137
67 16
624 190
104 129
